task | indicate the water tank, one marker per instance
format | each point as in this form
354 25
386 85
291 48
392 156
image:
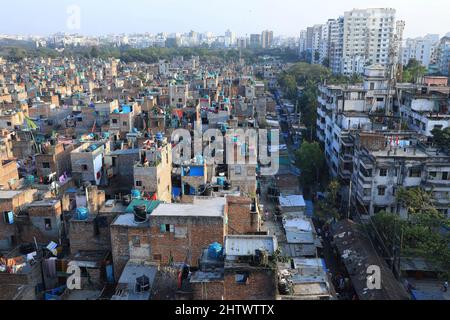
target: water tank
126 200
135 194
140 214
221 181
82 213
159 136
215 250
30 179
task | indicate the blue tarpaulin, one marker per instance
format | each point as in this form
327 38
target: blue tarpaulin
126 109
176 192
196 172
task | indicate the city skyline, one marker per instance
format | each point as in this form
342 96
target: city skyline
45 18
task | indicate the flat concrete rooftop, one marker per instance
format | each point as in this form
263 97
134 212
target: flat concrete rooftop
200 208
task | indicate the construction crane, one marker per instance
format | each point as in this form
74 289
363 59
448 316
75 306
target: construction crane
394 65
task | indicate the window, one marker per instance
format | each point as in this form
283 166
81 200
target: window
381 191
114 121
9 124
125 123
432 174
8 217
383 172
414 173
84 167
138 183
241 278
48 224
136 241
445 176
46 165
167 228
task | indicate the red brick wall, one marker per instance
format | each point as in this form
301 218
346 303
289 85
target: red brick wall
189 249
240 219
261 285
208 290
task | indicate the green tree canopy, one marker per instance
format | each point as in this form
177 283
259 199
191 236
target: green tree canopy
413 71
311 161
441 137
422 234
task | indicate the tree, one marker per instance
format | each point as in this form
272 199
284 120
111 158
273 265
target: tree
421 234
94 52
16 54
328 208
311 161
289 85
441 137
413 71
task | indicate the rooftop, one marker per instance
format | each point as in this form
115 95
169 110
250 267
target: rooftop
245 245
213 207
292 201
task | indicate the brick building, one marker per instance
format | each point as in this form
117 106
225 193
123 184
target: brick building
11 203
243 215
9 175
152 173
55 158
171 232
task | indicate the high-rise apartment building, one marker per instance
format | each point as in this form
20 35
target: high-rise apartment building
266 39
367 38
421 49
335 44
255 41
443 56
302 42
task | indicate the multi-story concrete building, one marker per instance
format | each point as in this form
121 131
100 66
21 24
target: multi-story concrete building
255 41
343 109
386 161
87 162
335 44
266 39
178 94
152 173
420 49
425 107
443 56
367 38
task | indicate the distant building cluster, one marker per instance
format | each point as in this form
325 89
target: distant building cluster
362 37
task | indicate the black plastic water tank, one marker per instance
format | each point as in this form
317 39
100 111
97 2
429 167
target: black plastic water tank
140 214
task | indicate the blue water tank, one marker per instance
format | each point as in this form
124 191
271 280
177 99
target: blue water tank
215 250
82 213
221 181
135 194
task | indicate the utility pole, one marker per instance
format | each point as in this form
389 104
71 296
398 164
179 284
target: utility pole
349 199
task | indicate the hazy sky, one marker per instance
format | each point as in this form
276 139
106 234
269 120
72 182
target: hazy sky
287 17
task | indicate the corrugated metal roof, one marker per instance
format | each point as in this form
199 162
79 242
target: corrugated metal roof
292 201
